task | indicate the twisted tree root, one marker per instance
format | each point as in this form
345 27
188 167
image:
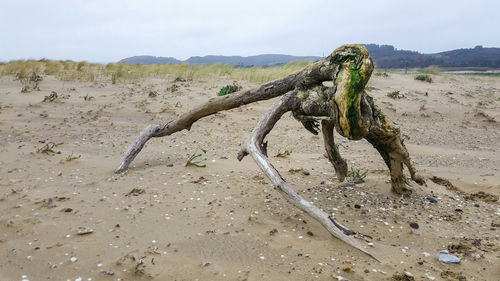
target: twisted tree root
344 107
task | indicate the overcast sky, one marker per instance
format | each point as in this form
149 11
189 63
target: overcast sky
109 30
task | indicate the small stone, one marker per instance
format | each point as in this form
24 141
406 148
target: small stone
414 225
207 263
431 199
357 206
447 258
108 272
347 268
306 173
310 233
273 231
429 276
82 230
73 259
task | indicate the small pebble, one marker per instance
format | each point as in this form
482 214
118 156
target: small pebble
73 259
306 173
431 199
357 206
414 225
447 258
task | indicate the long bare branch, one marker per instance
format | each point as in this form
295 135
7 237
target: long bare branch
311 75
253 148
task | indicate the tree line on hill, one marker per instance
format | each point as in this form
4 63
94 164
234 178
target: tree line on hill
385 56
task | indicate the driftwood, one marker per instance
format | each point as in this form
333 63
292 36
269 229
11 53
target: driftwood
345 107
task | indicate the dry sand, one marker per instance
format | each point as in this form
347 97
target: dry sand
164 221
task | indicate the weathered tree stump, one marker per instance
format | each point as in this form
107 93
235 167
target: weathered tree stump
345 107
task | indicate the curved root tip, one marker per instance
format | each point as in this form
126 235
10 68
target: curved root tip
119 171
242 153
371 256
419 179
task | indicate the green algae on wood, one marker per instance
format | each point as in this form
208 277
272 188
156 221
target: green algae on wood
353 74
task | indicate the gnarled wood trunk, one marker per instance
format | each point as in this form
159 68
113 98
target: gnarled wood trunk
345 107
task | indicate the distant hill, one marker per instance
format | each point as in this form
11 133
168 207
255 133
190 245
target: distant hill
150 60
259 60
385 56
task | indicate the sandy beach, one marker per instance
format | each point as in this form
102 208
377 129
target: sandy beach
65 215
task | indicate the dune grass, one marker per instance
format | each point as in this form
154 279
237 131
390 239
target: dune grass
117 72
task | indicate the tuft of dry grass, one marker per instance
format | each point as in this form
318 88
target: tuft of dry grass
117 72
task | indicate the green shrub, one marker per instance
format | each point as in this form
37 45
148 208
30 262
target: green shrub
357 174
26 89
424 77
283 154
228 89
382 74
395 95
50 98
